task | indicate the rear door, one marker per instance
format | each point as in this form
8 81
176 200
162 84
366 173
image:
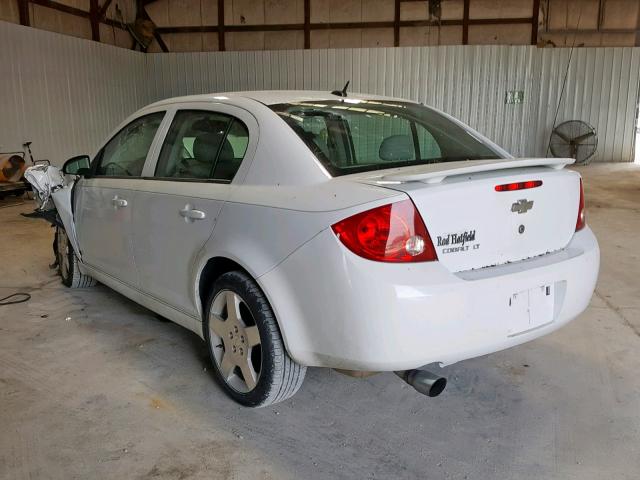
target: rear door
104 202
176 209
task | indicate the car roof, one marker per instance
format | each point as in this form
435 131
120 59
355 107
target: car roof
272 97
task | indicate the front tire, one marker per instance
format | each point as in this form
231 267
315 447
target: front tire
68 263
247 352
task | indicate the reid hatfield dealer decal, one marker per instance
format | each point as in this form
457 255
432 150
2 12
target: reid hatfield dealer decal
458 242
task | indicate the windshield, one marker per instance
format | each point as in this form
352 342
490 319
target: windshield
350 136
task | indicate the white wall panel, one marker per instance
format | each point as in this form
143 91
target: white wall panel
469 82
64 94
602 89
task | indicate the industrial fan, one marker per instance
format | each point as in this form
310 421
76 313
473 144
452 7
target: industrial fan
574 139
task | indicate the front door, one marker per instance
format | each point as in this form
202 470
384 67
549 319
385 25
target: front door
177 207
104 202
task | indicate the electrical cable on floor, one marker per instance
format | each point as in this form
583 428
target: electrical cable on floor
5 301
564 83
12 205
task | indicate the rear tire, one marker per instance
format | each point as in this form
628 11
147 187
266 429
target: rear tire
245 345
68 263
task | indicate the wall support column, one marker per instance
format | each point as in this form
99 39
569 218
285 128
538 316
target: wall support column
94 18
221 45
534 22
23 10
396 23
307 24
465 23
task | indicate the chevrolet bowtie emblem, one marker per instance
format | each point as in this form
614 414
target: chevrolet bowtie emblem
522 206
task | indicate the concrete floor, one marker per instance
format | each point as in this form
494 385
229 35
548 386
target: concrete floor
94 386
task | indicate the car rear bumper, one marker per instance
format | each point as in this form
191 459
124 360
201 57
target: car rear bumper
338 310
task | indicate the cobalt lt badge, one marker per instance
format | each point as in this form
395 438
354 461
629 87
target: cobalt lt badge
522 206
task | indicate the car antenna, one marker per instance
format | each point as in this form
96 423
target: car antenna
343 92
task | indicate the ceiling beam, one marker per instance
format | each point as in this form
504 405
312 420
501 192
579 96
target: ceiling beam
591 31
341 25
95 27
97 15
74 11
163 45
156 34
498 21
103 8
113 23
61 8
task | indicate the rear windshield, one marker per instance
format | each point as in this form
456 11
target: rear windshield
351 136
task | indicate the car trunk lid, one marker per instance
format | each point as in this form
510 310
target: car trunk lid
472 225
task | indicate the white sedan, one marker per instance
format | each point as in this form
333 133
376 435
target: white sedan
294 229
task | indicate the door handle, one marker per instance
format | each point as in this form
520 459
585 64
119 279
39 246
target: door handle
119 202
191 215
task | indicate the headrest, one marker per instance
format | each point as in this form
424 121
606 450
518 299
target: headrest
205 146
397 148
226 153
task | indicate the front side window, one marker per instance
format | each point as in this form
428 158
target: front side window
350 137
203 145
125 154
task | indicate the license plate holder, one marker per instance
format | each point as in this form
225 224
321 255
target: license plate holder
530 309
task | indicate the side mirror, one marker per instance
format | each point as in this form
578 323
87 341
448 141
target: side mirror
80 165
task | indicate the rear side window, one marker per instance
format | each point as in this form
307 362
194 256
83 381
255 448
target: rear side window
203 145
363 135
429 148
126 152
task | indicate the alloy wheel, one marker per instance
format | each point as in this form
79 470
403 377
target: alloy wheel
235 340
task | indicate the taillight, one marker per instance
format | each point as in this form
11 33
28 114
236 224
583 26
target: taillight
510 187
582 221
390 233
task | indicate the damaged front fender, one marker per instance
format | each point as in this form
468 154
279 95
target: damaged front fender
54 194
62 198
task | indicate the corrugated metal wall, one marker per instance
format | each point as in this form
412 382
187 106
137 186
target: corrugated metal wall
602 89
64 94
468 82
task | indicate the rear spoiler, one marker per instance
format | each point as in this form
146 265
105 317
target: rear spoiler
437 172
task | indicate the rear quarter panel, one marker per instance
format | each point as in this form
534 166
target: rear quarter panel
259 227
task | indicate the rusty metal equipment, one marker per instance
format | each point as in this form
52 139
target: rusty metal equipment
12 168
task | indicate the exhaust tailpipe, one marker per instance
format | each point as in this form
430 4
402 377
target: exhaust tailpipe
425 382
